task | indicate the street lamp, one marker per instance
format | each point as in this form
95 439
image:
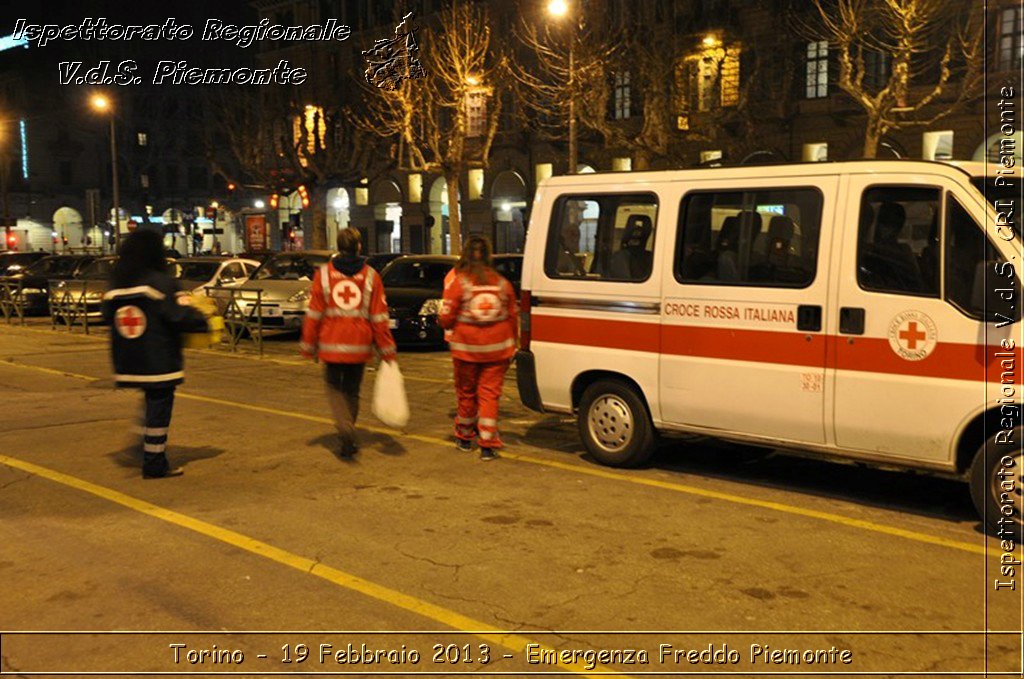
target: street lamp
102 103
559 9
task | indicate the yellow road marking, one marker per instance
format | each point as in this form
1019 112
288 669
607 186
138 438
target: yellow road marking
606 474
445 616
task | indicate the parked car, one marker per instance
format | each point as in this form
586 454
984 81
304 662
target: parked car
13 262
414 286
382 259
35 280
285 279
197 274
93 282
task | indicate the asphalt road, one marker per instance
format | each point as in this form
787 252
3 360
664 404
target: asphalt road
426 559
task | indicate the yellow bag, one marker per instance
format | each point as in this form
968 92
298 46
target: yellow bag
214 323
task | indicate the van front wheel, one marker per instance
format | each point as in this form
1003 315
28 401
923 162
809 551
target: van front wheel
995 479
615 425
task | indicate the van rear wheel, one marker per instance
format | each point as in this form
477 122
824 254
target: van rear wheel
615 425
995 478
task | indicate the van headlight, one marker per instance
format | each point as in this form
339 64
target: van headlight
432 307
300 296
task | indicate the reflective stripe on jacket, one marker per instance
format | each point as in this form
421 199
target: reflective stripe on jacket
346 318
483 318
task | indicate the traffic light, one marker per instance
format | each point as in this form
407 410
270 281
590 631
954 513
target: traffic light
273 201
12 241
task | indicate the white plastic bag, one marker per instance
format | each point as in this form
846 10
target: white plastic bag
389 402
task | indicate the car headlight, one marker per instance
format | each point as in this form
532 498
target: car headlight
432 307
301 296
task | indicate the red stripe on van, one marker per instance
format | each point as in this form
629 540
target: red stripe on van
948 360
759 346
591 332
866 354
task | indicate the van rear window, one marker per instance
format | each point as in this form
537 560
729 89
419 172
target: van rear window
607 237
763 238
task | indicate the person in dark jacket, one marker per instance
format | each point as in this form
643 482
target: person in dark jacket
146 320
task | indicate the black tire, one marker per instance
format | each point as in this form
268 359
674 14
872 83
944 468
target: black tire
614 424
990 479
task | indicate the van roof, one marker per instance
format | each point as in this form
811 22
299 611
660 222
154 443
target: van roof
623 179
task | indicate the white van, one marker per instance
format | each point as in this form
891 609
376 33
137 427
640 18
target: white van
867 310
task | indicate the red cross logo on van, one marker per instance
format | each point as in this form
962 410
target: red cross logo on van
130 322
912 335
347 295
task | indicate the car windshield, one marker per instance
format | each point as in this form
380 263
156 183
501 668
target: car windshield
17 261
53 266
416 274
197 271
290 267
99 269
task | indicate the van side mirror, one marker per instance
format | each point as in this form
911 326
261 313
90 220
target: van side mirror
996 298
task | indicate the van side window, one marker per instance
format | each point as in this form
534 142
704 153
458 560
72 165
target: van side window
898 240
979 281
602 237
764 238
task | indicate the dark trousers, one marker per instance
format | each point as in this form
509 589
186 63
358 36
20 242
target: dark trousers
159 403
343 381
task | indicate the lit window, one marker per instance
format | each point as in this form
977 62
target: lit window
143 138
623 98
1009 44
144 180
476 113
708 80
817 69
308 132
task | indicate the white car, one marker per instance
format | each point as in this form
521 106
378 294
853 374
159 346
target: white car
199 275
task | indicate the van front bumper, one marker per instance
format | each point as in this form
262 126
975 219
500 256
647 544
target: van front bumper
526 380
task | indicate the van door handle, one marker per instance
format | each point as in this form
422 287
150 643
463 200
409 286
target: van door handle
808 317
851 321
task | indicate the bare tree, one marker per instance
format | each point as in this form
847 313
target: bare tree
444 122
267 141
562 77
930 45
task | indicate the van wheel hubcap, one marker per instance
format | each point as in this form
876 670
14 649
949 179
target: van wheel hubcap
610 422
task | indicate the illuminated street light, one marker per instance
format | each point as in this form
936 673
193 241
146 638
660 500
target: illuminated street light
259 204
103 104
472 81
214 205
558 8
710 40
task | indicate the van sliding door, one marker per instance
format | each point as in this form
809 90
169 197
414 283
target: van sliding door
743 315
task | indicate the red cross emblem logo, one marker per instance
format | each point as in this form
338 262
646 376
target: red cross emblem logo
130 322
347 295
485 307
912 335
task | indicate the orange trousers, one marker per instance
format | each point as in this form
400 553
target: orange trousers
478 388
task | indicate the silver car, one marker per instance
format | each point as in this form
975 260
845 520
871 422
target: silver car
203 275
284 281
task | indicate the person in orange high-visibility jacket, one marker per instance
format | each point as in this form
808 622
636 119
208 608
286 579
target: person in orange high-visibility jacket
480 309
347 317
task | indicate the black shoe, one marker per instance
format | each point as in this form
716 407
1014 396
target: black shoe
464 445
347 449
488 454
165 474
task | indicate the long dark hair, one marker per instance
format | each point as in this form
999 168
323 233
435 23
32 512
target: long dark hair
476 259
141 253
